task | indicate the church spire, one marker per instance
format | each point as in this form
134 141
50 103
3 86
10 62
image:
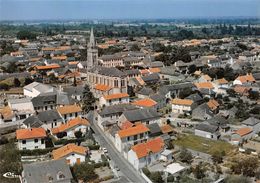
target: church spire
92 39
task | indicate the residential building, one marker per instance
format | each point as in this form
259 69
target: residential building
34 89
31 138
46 172
247 79
69 112
207 131
113 99
241 135
68 129
182 106
146 153
72 153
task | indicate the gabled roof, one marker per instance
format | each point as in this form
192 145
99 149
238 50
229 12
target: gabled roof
206 85
141 114
152 146
167 128
251 121
43 171
213 104
221 81
116 109
246 78
46 67
147 102
178 101
49 116
30 133
68 149
116 96
67 109
207 127
243 131
102 87
70 124
138 129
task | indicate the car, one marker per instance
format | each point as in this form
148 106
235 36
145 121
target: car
104 150
117 168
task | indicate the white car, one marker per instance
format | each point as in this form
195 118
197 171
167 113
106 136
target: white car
104 150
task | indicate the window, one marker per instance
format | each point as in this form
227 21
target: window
35 140
24 141
135 137
70 114
42 141
73 154
36 147
24 148
60 176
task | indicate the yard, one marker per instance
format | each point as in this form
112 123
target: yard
202 144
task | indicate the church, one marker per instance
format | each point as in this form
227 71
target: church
102 80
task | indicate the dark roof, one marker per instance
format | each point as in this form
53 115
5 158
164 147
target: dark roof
132 71
157 64
44 99
157 97
115 109
206 127
49 116
201 111
141 114
44 171
167 88
110 57
108 71
251 121
154 128
195 97
218 121
78 90
33 121
151 77
145 91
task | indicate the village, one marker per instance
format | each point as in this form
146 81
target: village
133 114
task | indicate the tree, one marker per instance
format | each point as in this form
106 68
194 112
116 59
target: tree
84 172
199 171
88 99
78 134
74 81
156 177
61 135
17 83
217 157
247 166
237 179
134 47
253 95
28 81
185 156
192 68
4 86
25 34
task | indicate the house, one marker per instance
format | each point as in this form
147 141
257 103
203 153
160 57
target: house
31 138
44 102
214 63
144 92
145 115
34 89
196 98
220 85
166 155
207 131
147 153
23 107
45 119
204 78
113 99
154 130
159 99
7 115
144 103
167 129
202 112
252 123
182 106
124 139
213 105
241 135
72 153
111 60
74 92
206 88
151 78
46 172
247 79
175 170
112 113
68 129
69 112
173 90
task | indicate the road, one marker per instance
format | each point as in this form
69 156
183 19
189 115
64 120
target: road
131 174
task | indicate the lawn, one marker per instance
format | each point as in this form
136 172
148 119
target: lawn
202 144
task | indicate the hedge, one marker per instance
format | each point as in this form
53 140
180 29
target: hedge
67 141
35 152
94 147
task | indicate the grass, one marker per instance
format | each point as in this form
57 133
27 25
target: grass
202 144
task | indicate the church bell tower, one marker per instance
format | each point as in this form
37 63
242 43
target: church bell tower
92 58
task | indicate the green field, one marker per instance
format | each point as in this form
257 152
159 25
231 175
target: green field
202 144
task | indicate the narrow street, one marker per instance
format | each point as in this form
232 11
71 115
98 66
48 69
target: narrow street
129 172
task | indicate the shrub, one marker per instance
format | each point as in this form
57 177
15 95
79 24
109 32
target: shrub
146 171
94 147
35 152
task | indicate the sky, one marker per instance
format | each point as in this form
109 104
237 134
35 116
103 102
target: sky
126 9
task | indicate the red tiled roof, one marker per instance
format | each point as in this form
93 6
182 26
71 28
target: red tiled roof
68 149
30 133
140 128
152 146
147 102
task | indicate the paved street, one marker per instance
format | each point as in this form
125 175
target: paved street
131 174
